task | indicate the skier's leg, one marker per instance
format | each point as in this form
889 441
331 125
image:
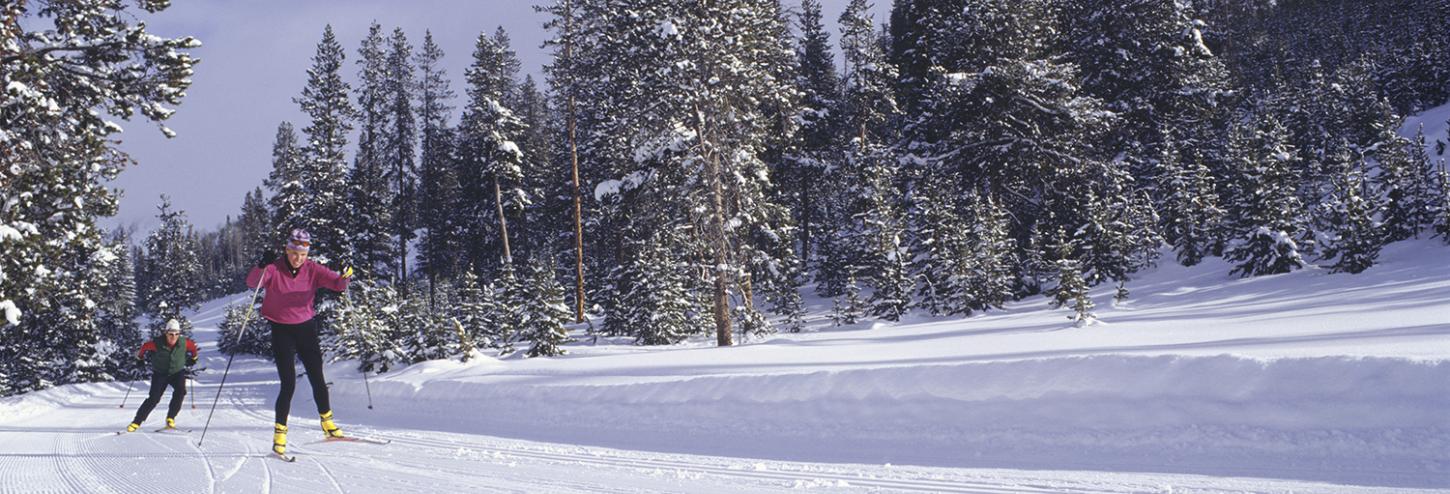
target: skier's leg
309 350
284 351
178 393
158 386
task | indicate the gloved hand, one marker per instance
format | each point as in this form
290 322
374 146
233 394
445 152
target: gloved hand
347 272
266 257
191 360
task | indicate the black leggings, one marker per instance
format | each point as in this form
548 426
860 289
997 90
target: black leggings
159 382
298 341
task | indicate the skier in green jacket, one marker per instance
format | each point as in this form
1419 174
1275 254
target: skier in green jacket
170 354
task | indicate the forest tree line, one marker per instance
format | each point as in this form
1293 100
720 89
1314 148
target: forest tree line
689 168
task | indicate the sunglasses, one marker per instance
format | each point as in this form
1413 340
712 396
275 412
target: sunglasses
170 333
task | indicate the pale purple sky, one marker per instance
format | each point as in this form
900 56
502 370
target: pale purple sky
255 55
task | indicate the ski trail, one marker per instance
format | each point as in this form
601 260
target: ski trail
330 477
736 471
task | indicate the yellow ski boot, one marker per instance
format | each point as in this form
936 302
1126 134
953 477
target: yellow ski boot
133 427
170 423
279 439
328 428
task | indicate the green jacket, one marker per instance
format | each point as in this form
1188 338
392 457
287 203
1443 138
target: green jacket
167 360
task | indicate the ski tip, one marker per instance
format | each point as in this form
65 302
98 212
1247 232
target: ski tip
286 458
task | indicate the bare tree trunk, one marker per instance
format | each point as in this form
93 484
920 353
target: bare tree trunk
503 224
574 161
718 240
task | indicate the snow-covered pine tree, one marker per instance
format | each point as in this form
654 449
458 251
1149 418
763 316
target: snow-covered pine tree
116 316
324 172
256 229
540 218
992 255
545 313
441 245
693 92
1147 61
803 171
369 192
568 81
848 308
1406 182
254 340
941 253
867 103
366 325
1268 216
478 311
1188 204
398 147
491 161
173 270
289 199
425 334
1442 219
1356 237
68 69
1072 288
512 295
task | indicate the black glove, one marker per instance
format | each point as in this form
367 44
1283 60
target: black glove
190 360
266 257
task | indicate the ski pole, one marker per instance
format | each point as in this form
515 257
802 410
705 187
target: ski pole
193 395
366 386
129 385
251 307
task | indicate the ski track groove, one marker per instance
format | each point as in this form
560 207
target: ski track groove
116 475
649 465
330 477
60 464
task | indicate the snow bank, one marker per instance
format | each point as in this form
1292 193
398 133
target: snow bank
1378 421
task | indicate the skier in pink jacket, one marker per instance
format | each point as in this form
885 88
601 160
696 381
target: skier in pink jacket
290 283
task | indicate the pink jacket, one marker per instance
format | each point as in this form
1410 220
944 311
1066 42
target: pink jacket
289 298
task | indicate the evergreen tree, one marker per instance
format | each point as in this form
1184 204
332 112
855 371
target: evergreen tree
512 302
848 309
366 324
289 199
425 334
68 70
116 316
173 270
1406 181
478 311
325 101
992 256
255 339
867 102
545 313
256 228
491 161
438 180
1189 205
1071 288
398 147
1147 61
1356 235
1268 215
803 171
370 196
1442 220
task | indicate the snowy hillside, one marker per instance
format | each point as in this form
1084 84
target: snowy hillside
1308 382
1308 375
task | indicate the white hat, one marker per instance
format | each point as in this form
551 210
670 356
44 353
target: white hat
172 324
